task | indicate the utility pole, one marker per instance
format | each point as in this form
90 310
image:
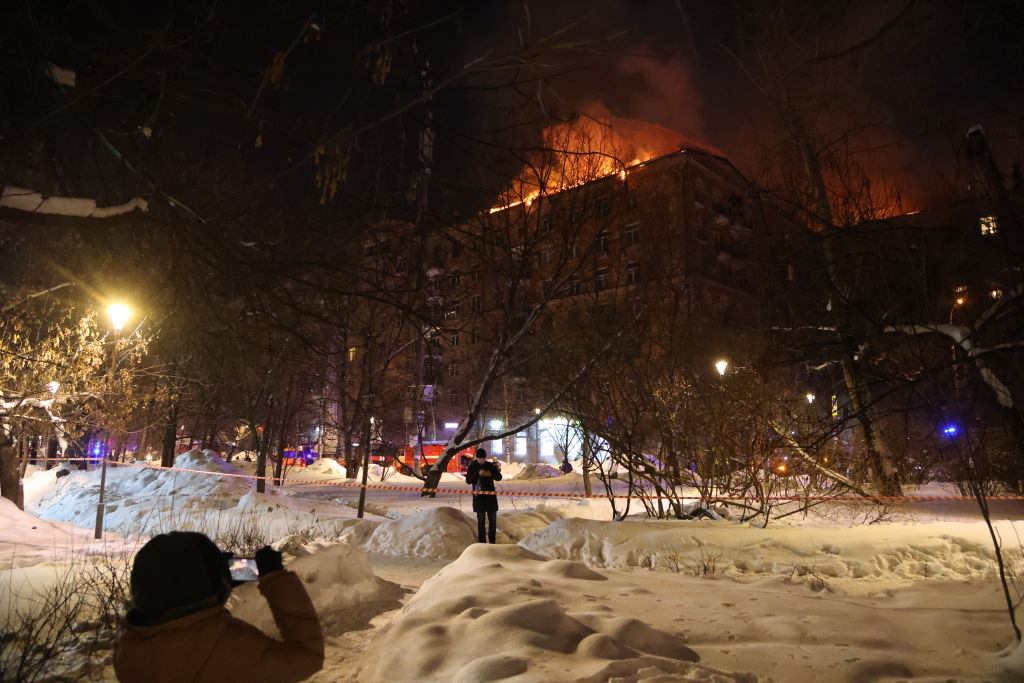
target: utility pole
119 314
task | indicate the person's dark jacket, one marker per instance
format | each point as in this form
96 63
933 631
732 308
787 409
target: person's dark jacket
179 630
483 503
211 645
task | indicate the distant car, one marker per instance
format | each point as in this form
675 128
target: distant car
299 457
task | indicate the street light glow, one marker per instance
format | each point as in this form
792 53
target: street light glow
810 397
53 387
721 366
119 314
496 423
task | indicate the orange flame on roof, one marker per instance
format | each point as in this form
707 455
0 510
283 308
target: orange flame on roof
592 145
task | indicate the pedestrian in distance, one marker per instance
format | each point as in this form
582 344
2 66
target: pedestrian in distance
179 630
481 475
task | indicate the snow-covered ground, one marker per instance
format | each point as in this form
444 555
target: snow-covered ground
846 592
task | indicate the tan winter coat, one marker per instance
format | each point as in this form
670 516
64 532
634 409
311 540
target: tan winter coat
211 645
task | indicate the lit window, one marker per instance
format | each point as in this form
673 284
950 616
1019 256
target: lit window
995 293
351 353
989 225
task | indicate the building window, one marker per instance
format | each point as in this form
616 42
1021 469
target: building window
790 274
575 251
546 255
453 368
631 236
601 243
455 339
601 207
351 353
634 199
546 223
574 286
474 303
989 225
474 337
601 279
456 279
632 273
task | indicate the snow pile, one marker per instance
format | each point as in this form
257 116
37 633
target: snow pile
535 470
940 551
436 534
500 611
28 541
146 501
328 466
339 580
518 525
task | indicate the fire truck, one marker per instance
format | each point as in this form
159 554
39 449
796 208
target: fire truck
402 458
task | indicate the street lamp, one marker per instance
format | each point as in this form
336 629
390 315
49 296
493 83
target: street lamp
119 314
810 397
722 366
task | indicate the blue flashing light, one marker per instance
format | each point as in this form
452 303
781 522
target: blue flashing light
950 430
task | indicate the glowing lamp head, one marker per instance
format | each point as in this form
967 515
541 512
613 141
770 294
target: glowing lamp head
960 301
119 314
810 397
722 366
780 468
496 424
950 430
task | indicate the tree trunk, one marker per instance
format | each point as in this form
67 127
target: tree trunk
170 436
261 463
10 482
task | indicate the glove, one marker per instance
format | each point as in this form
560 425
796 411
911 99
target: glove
268 560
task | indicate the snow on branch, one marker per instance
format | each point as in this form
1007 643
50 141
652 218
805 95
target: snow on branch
21 199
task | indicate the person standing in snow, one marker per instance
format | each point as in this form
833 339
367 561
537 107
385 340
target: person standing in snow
481 475
179 630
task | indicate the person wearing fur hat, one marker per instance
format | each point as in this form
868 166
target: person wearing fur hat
179 630
481 475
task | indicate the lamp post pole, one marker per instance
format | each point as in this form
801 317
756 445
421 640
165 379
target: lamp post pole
118 314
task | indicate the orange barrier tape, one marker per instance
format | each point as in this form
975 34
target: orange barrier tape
529 494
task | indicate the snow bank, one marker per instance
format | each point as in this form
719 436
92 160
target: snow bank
500 611
146 501
537 471
436 533
339 580
28 541
328 466
932 551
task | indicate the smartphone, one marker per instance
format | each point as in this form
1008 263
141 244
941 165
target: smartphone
243 569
